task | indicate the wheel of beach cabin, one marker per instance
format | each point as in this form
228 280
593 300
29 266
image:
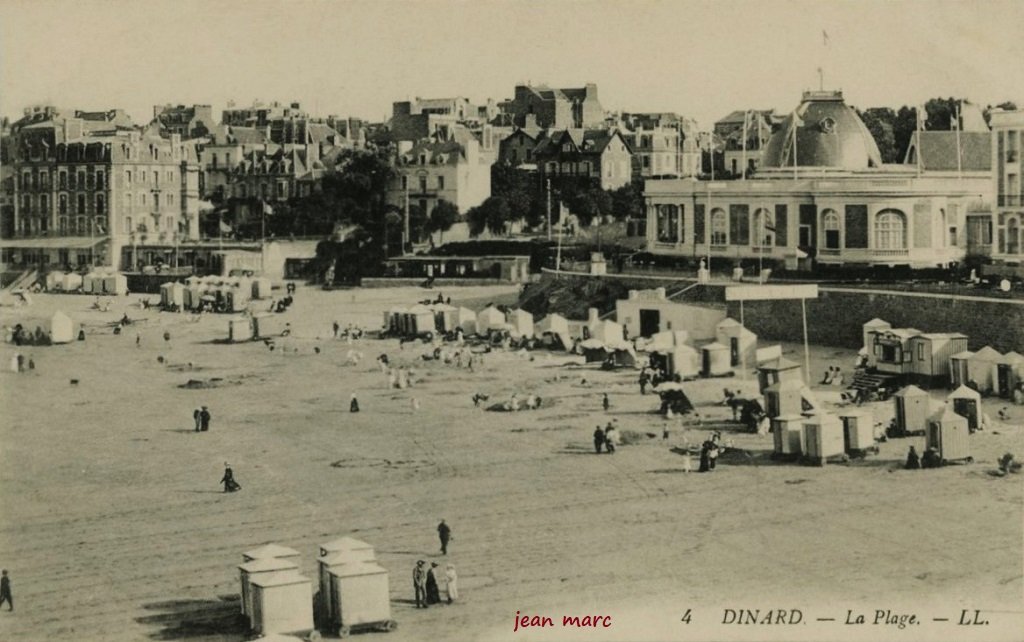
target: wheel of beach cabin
970 459
344 631
390 625
314 636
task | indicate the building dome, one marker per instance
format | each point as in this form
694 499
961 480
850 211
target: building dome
829 133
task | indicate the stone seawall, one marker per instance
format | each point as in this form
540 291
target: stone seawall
836 318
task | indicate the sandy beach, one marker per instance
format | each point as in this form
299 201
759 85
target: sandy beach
114 526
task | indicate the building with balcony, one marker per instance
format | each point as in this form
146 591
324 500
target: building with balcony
430 171
1008 185
823 196
86 187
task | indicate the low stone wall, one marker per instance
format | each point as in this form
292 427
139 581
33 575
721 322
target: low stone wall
836 318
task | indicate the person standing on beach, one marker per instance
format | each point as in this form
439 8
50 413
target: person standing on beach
419 584
604 402
353 404
204 419
452 583
445 534
5 591
433 590
197 417
598 439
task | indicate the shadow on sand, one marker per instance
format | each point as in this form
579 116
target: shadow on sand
188 619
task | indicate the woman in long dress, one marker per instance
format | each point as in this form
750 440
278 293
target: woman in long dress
452 582
433 592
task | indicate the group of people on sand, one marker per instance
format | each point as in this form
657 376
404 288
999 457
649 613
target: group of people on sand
426 586
20 364
833 377
425 579
608 438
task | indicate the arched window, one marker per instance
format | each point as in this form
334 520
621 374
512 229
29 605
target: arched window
128 229
763 232
62 201
830 230
719 227
62 224
1013 236
101 204
890 230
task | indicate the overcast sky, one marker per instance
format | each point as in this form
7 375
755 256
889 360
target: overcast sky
701 59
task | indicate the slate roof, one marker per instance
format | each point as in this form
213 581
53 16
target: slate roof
938 150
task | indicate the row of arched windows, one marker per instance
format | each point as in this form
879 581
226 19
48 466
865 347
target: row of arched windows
889 231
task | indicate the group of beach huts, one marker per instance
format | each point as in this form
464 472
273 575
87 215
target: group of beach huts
112 283
942 358
277 600
800 428
233 293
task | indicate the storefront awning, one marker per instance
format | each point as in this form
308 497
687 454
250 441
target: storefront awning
52 243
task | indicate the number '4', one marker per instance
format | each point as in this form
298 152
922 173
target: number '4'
686 617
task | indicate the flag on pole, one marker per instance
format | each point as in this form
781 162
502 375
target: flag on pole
922 118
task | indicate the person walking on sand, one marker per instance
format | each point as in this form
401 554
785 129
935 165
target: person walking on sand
197 415
419 584
353 404
230 485
451 583
5 591
336 328
204 419
598 439
445 535
604 402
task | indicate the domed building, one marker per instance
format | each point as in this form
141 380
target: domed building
821 196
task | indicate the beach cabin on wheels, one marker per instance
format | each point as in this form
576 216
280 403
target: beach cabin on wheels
823 438
947 432
742 343
981 369
360 598
488 318
966 403
62 328
715 360
521 322
1008 372
869 329
282 602
781 369
553 330
958 374
787 432
913 407
257 568
930 355
858 431
679 360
